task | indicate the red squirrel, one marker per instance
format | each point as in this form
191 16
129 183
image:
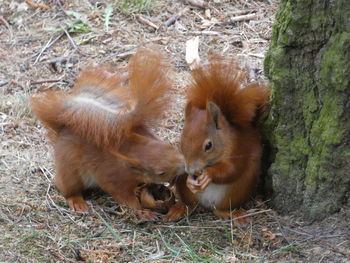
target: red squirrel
220 139
101 132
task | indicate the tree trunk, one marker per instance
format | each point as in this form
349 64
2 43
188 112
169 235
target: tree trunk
308 129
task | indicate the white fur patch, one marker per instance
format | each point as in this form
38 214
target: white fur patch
212 195
88 181
84 98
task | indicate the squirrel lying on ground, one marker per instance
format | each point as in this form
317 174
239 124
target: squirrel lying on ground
220 140
101 132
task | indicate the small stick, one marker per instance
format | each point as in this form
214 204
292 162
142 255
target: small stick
206 32
47 46
34 5
146 22
126 54
243 18
69 38
243 12
61 6
3 83
175 17
44 81
197 3
58 60
13 82
4 21
251 214
256 55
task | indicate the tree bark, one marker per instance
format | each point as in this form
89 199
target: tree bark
308 129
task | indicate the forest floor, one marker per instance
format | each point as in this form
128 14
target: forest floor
45 49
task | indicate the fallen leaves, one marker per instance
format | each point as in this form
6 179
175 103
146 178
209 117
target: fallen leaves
269 235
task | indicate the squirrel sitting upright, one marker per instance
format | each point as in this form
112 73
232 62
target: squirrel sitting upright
220 140
101 132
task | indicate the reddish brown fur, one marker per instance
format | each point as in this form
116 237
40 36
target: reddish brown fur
78 162
114 149
220 82
223 110
140 97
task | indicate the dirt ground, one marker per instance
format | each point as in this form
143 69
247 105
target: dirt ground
44 49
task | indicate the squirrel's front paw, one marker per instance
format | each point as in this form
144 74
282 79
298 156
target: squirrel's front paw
198 185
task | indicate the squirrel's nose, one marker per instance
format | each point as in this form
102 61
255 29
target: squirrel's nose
193 168
181 168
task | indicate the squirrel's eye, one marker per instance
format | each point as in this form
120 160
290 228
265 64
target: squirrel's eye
208 146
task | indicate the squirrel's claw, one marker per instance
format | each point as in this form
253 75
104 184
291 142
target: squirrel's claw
77 204
204 181
198 185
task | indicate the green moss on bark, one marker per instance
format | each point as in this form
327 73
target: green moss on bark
308 64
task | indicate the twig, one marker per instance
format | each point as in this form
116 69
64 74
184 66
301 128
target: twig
44 81
61 6
251 214
34 5
59 60
207 32
243 18
4 21
243 12
54 61
256 55
175 17
197 3
298 232
69 38
146 22
13 82
4 83
47 46
190 226
126 54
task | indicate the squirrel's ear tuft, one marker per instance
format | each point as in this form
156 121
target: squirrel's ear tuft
213 113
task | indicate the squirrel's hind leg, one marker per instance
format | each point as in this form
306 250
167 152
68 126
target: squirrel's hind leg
68 178
77 203
71 186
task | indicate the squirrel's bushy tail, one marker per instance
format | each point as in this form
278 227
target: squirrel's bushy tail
223 82
47 106
103 107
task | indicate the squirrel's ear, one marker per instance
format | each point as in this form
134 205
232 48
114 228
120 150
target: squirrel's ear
136 166
213 113
188 109
130 162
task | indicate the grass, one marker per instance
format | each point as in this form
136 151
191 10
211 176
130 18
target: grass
36 225
129 7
